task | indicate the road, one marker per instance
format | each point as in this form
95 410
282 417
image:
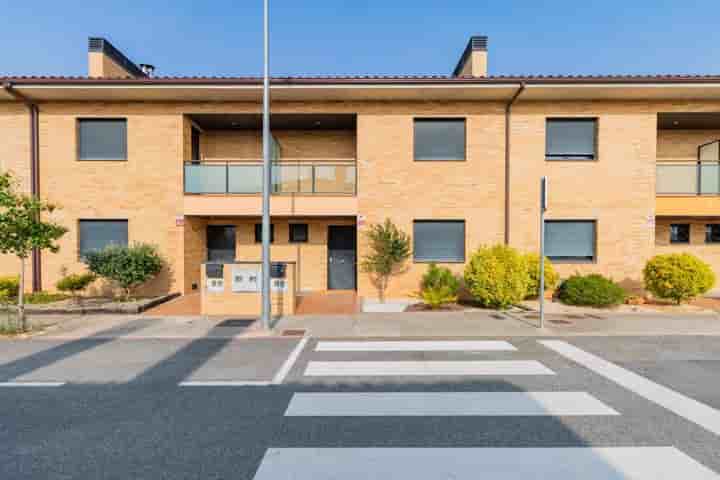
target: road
286 408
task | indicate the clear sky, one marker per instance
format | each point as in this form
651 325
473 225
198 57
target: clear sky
224 37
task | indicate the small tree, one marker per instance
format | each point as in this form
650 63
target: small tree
23 230
128 267
389 250
438 287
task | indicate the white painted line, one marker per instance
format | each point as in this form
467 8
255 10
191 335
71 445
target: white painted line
31 384
699 413
224 383
415 346
290 361
602 463
445 404
374 369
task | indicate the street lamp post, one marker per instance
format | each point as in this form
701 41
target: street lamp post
266 304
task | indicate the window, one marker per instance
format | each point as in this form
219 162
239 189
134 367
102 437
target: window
712 233
98 234
570 138
439 240
258 232
570 240
680 233
439 139
102 139
298 232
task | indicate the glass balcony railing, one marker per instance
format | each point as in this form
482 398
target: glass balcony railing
287 178
688 178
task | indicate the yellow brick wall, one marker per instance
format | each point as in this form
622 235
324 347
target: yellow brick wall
617 190
709 252
294 144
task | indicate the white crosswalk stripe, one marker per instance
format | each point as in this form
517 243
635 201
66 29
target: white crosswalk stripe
416 346
416 368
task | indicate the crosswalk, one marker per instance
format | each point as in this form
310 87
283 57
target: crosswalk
458 463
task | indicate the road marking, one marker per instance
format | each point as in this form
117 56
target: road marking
290 361
225 383
32 384
498 367
699 413
415 346
602 463
445 404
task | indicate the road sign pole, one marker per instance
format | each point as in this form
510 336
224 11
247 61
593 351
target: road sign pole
266 305
543 207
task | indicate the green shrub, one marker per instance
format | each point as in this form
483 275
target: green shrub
439 286
39 298
678 276
533 265
497 276
75 282
128 267
591 290
10 285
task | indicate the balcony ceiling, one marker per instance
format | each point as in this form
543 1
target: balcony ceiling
689 121
278 121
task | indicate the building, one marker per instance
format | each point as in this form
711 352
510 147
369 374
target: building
633 164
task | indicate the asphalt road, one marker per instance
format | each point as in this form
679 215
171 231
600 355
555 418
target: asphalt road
513 408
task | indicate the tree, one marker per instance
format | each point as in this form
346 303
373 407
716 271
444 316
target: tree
129 267
22 229
389 250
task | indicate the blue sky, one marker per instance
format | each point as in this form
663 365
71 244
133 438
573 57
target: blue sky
218 37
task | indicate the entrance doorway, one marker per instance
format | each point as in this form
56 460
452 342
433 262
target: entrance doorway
342 246
220 243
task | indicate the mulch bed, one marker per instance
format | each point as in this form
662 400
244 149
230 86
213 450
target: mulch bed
422 307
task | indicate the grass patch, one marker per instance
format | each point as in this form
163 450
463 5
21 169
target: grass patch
39 298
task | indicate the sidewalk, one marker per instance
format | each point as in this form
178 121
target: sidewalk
477 323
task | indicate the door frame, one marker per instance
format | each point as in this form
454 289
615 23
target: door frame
327 262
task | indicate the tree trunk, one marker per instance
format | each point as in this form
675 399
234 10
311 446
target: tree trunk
21 296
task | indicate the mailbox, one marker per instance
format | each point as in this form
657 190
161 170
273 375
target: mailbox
277 270
214 270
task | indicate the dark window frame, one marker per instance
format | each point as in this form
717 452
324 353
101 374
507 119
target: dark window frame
258 233
438 260
680 242
80 221
78 143
573 260
440 119
708 235
291 231
207 241
549 157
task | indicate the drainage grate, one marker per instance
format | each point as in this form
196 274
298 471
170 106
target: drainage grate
236 322
498 316
297 332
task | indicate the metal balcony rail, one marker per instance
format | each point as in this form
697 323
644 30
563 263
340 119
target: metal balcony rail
233 177
688 178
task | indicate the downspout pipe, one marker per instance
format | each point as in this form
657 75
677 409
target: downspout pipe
508 114
34 170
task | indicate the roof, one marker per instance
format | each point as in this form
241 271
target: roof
369 79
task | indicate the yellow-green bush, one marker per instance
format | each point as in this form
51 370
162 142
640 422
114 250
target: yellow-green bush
10 285
533 266
592 290
439 286
497 276
678 276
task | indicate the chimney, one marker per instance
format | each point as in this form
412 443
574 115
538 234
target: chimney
473 61
147 69
106 61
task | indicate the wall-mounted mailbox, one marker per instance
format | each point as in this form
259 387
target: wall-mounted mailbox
278 270
214 270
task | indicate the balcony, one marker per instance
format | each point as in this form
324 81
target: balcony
688 189
307 188
245 178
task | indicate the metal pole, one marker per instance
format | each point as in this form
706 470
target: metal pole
543 206
266 304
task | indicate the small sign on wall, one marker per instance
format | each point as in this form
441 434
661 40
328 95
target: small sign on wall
245 279
179 221
361 221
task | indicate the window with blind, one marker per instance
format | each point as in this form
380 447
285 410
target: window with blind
570 240
102 139
570 139
439 241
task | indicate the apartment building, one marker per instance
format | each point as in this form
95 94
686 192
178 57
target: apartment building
633 164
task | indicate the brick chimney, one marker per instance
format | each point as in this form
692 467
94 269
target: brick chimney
473 61
106 61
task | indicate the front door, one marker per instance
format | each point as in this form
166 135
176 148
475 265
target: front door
220 243
341 257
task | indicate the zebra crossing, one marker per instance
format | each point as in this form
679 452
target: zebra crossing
459 463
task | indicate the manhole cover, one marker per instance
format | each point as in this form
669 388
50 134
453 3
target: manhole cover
498 316
236 322
561 322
